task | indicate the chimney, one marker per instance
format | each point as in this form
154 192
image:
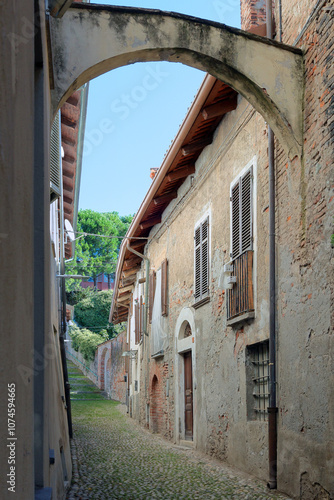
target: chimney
253 16
153 171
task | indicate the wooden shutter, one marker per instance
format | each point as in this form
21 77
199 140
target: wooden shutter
151 294
235 201
246 211
141 317
241 209
136 323
164 305
55 159
202 259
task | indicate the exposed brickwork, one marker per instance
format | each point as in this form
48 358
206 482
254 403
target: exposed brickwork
158 400
110 352
253 13
102 352
118 384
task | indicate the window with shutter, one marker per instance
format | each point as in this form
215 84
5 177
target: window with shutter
55 159
202 260
240 298
141 318
241 210
136 323
164 284
151 294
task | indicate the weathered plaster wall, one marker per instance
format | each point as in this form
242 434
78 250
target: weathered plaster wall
306 279
56 426
219 352
118 385
16 230
305 286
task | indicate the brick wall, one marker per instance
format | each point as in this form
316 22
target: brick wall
253 13
158 399
110 354
118 385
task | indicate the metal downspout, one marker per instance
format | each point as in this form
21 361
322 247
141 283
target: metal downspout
146 283
272 410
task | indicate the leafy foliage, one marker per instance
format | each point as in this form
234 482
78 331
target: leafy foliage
93 310
96 254
86 342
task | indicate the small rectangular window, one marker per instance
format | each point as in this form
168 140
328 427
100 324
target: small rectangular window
202 260
257 373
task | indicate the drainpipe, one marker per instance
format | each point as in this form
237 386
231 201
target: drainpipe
272 410
146 283
58 8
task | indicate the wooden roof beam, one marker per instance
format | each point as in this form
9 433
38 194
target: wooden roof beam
138 244
68 183
189 149
68 207
219 109
68 140
181 173
125 289
128 281
68 122
150 223
129 263
165 198
123 298
126 273
68 193
68 171
68 158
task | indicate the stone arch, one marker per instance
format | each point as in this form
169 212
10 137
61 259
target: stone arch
268 74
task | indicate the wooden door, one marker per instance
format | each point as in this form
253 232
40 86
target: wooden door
188 395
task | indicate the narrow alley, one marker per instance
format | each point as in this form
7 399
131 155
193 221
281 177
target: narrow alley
114 458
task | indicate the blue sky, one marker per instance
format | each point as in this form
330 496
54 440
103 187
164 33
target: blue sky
134 113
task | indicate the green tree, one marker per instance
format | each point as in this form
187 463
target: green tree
93 310
97 254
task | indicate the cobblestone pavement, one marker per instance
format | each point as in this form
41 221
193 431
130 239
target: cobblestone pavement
114 458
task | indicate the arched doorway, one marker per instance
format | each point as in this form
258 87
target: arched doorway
185 377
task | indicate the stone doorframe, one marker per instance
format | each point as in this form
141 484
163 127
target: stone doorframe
182 345
269 74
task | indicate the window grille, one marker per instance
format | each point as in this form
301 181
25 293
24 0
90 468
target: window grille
259 381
